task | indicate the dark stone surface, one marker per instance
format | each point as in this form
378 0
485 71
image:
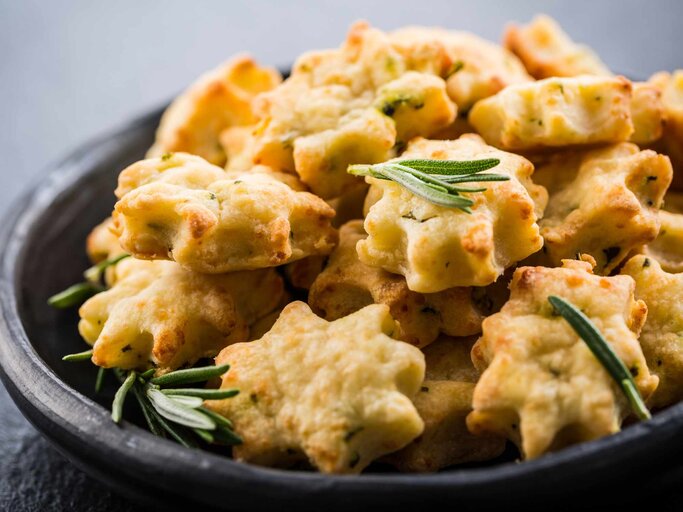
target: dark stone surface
68 70
35 477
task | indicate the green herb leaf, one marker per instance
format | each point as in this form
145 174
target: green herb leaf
470 179
178 433
177 413
190 376
226 436
425 191
94 273
120 397
79 356
220 420
205 435
434 180
206 394
451 167
148 412
192 402
74 295
147 374
99 380
604 353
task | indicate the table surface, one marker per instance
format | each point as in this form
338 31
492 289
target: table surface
71 70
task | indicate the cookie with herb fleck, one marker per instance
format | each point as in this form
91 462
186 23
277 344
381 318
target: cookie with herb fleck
556 112
187 210
346 285
603 202
541 385
337 394
219 99
436 247
158 314
662 334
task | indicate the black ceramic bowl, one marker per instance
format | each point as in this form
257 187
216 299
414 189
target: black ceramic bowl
43 243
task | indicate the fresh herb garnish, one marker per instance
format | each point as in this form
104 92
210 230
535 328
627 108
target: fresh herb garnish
435 180
80 292
597 344
79 356
94 273
74 295
99 380
178 413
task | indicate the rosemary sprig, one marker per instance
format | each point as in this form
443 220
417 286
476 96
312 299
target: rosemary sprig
602 350
80 292
435 180
74 295
178 413
94 274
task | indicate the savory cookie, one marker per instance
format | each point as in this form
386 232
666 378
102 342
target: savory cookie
436 247
219 99
662 335
603 202
541 386
348 105
361 103
667 248
547 51
444 405
185 209
338 393
647 113
102 244
556 112
476 69
347 285
444 401
671 86
156 312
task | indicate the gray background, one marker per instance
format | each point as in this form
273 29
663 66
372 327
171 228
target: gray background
70 70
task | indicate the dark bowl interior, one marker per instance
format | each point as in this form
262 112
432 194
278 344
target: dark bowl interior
44 252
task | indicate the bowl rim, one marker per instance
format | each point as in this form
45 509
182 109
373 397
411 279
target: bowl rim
75 419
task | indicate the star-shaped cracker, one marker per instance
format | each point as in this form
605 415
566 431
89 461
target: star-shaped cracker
662 334
603 202
436 247
444 401
541 385
158 313
182 208
556 112
218 100
347 285
338 393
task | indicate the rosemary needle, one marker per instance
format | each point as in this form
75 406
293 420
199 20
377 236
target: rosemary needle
80 292
94 273
79 356
177 413
602 350
99 380
435 180
206 394
120 397
74 295
190 376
